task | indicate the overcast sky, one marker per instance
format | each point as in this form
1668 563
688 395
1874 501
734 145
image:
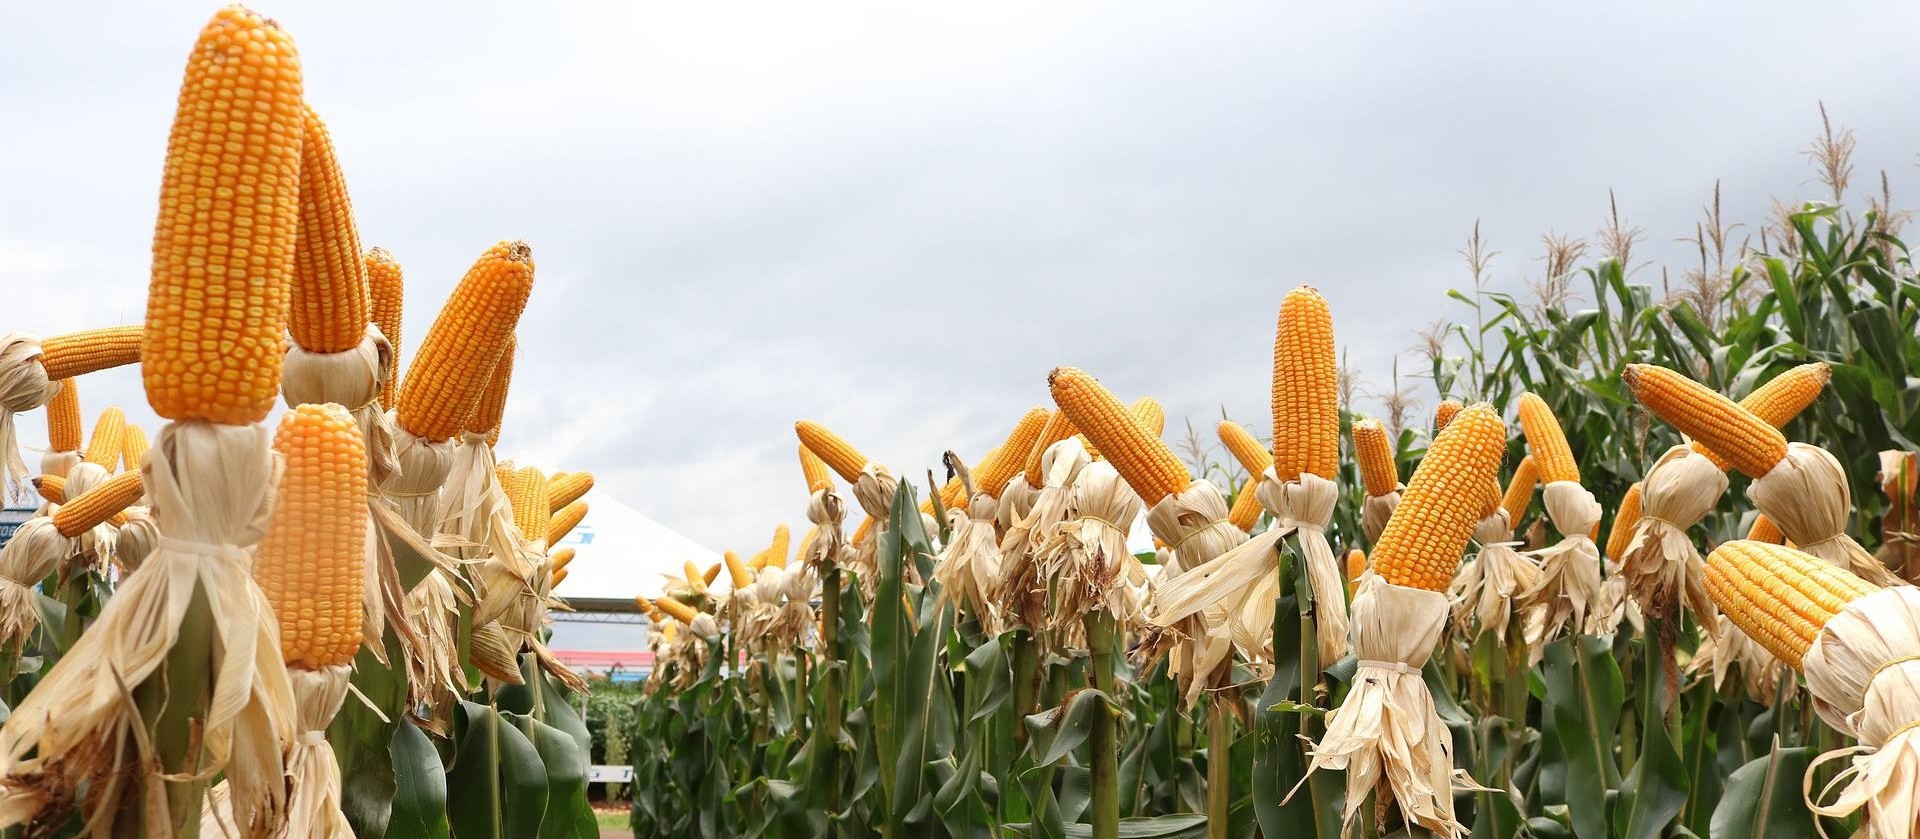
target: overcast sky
896 218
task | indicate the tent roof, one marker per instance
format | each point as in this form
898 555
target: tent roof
621 552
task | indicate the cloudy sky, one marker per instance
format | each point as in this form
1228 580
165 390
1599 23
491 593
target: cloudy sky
896 218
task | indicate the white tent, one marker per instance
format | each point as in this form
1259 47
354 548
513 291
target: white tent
620 552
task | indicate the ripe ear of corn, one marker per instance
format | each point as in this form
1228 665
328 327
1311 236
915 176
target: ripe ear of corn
1444 413
444 384
1374 454
1146 463
229 214
532 505
1058 428
1546 442
564 521
1764 530
133 448
53 488
1779 400
1519 493
1748 442
999 467
1253 455
560 558
737 570
385 286
329 309
1306 406
310 561
63 418
493 400
79 353
567 487
1623 523
675 609
1422 543
1148 412
1778 596
814 470
712 573
832 449
99 504
103 448
1245 512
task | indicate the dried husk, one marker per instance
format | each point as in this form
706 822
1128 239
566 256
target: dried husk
1387 735
1087 559
1569 570
313 805
433 670
1193 522
828 514
1863 671
1726 651
1900 526
1021 592
23 387
968 567
352 379
1806 495
31 555
1661 566
415 488
495 654
1015 502
213 485
1486 592
135 540
1376 510
873 491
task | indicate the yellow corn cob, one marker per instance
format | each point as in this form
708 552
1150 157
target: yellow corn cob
675 609
1306 402
998 468
330 305
737 570
1749 443
781 546
560 558
814 470
712 573
229 214
1546 443
1444 413
1519 493
567 487
99 504
559 576
1253 455
564 521
1624 521
1374 453
1245 512
1147 411
836 452
860 533
309 563
109 432
63 417
133 448
384 287
1146 463
493 400
1764 530
1422 543
1357 562
79 353
1779 400
532 509
692 573
1778 596
53 488
444 384
1058 428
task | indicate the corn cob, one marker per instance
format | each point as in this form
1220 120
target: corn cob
229 215
53 488
98 504
1058 428
559 576
1444 413
814 471
1779 597
1245 512
1422 543
1624 521
564 521
712 573
1519 493
1146 463
1253 455
1764 530
1148 412
384 287
737 570
63 418
133 448
329 310
80 353
675 609
692 574
109 432
444 384
1779 400
1357 563
560 558
782 545
309 563
493 401
1749 443
1306 405
567 487
1546 443
831 449
998 468
1374 454
532 509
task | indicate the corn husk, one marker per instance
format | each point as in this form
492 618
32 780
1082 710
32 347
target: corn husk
133 541
1728 652
828 547
1485 594
1900 526
1087 558
968 567
34 552
873 491
1806 494
1612 606
775 611
1662 568
23 387
1863 672
213 486
1376 510
415 488
1569 570
313 806
1015 502
1387 735
1021 592
1193 523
